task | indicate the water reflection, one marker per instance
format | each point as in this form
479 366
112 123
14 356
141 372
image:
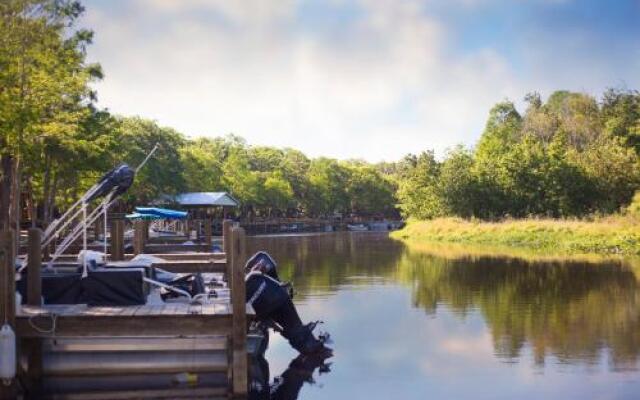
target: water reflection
572 310
288 384
478 316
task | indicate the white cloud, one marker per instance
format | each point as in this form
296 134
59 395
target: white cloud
386 85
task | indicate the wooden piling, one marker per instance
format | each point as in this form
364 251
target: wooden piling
117 240
34 268
33 346
145 231
7 295
138 237
226 245
208 232
239 319
8 271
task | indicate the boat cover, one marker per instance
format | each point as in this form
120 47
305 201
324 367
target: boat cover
115 287
157 213
120 178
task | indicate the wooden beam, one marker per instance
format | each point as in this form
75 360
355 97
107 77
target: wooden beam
239 318
124 325
117 240
173 248
34 268
186 266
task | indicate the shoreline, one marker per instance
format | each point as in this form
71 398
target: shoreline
613 236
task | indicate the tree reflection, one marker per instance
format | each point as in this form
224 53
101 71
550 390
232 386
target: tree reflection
573 310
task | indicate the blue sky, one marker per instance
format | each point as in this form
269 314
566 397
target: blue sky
353 79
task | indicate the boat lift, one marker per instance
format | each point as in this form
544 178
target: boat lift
111 185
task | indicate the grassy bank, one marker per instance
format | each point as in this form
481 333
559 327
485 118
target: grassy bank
610 235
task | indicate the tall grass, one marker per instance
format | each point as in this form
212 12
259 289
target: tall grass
617 234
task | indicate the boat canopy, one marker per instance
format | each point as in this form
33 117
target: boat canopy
150 213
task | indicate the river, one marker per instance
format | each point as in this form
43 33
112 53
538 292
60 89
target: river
422 323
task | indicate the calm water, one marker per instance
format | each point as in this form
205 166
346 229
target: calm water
416 324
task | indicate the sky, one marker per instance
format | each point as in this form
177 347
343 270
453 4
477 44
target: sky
368 79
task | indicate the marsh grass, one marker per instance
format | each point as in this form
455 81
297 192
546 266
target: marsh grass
616 234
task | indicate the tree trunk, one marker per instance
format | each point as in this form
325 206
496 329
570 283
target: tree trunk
46 188
16 206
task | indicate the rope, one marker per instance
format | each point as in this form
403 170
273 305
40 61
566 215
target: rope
51 330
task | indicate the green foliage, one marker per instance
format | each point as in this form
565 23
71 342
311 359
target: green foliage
634 208
566 157
163 173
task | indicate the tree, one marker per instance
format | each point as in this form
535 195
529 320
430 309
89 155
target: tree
278 193
621 114
45 95
164 173
418 190
202 166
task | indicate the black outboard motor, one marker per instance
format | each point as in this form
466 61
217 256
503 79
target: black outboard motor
262 262
121 178
272 302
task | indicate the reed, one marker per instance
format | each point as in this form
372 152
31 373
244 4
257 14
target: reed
616 234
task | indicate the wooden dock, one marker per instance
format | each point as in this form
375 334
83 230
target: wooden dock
203 346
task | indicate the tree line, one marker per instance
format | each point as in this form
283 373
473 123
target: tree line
55 142
569 156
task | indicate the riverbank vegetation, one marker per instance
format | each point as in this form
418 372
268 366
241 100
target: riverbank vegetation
571 157
607 235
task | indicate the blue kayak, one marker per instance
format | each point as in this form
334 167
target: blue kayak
157 213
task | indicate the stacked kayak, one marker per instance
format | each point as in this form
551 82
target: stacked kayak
152 213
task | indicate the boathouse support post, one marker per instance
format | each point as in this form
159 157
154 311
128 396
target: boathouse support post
208 232
239 317
117 240
34 268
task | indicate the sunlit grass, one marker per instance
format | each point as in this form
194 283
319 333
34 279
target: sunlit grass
603 235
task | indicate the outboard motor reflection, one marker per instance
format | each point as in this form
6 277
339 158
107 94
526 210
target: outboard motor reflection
287 386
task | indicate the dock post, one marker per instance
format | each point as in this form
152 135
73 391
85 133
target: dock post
226 245
33 346
239 317
34 268
145 231
138 237
8 271
117 240
8 297
208 232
